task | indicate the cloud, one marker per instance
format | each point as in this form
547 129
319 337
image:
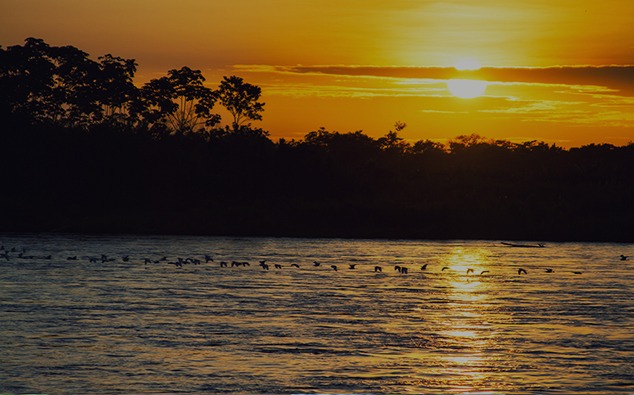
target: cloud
615 79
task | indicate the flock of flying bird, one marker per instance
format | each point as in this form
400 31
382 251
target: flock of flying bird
7 254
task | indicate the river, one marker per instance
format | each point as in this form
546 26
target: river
148 314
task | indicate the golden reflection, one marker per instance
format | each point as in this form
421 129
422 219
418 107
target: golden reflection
467 284
461 333
467 329
462 259
464 360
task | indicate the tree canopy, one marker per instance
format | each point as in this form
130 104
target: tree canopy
63 86
85 150
241 100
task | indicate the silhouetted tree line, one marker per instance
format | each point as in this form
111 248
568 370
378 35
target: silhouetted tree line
85 150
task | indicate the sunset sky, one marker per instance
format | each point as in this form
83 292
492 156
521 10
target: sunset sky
557 71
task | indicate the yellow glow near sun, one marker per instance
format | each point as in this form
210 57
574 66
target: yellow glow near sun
467 89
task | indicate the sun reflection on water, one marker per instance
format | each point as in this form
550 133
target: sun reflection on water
461 259
467 329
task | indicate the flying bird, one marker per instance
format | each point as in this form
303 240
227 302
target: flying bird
520 271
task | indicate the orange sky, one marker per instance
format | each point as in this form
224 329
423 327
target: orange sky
406 48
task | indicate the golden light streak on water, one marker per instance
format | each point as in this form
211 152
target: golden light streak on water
461 259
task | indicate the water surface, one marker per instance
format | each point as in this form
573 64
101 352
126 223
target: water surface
115 326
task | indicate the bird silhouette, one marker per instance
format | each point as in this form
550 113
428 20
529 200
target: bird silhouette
334 267
294 265
377 269
315 263
624 257
444 268
549 270
424 267
484 272
352 266
520 271
469 270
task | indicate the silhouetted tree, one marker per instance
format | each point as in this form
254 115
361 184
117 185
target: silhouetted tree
465 141
62 85
27 80
393 142
351 145
115 89
177 102
426 146
74 96
241 100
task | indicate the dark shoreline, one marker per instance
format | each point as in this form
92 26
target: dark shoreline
90 229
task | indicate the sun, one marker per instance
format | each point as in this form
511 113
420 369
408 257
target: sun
467 89
463 88
467 64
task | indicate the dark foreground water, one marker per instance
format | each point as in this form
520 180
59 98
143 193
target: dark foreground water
115 326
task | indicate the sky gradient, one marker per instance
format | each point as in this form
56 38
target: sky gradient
556 71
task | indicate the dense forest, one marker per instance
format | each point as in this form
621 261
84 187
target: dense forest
86 150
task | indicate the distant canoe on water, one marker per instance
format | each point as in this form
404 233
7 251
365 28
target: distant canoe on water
538 245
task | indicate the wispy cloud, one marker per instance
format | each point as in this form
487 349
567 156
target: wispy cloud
616 79
315 90
558 111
